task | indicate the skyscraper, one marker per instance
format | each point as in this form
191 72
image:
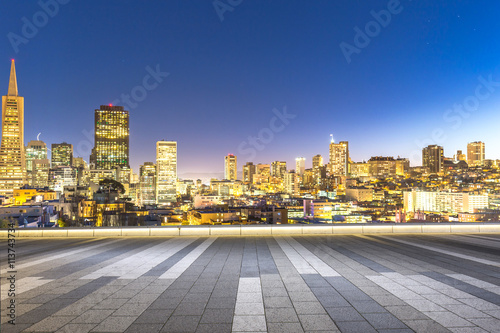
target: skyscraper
300 165
433 158
61 154
35 150
248 172
147 184
339 158
12 158
317 161
166 172
111 148
475 153
230 167
278 169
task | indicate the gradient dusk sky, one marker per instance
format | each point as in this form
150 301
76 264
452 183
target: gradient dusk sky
404 88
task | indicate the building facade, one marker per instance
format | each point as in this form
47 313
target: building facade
475 153
147 184
61 154
112 133
230 167
433 158
12 156
339 158
166 172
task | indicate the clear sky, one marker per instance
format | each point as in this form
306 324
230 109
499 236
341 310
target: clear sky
388 90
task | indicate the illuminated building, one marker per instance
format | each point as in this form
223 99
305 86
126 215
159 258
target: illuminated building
166 172
40 173
147 184
291 183
230 167
317 161
380 166
21 196
111 147
300 165
62 176
318 209
433 158
12 158
475 153
359 169
460 156
248 172
78 162
278 169
227 188
96 175
438 202
339 158
62 154
35 150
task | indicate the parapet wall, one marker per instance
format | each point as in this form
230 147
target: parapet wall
258 230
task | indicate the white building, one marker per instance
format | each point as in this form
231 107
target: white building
439 202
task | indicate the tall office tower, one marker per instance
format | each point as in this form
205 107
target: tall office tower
111 147
339 158
147 184
460 156
12 158
317 161
62 154
300 165
278 169
166 172
248 172
433 158
230 167
40 173
475 153
35 150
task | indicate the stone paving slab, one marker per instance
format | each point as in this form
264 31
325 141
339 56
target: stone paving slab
281 283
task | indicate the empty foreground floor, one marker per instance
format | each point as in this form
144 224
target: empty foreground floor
370 283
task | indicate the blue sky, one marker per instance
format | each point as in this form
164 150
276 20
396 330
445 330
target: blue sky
225 77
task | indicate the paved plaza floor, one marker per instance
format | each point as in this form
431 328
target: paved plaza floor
358 283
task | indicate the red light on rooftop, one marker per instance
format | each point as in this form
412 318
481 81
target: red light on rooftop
110 104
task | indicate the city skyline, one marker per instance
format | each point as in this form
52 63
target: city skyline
358 102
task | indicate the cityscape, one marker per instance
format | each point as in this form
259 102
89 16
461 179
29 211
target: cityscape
103 190
236 166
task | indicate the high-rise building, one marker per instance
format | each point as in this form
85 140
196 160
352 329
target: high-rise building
317 161
433 158
35 150
111 147
291 183
475 153
230 167
40 173
339 158
147 184
61 154
248 172
166 172
12 158
300 165
278 169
